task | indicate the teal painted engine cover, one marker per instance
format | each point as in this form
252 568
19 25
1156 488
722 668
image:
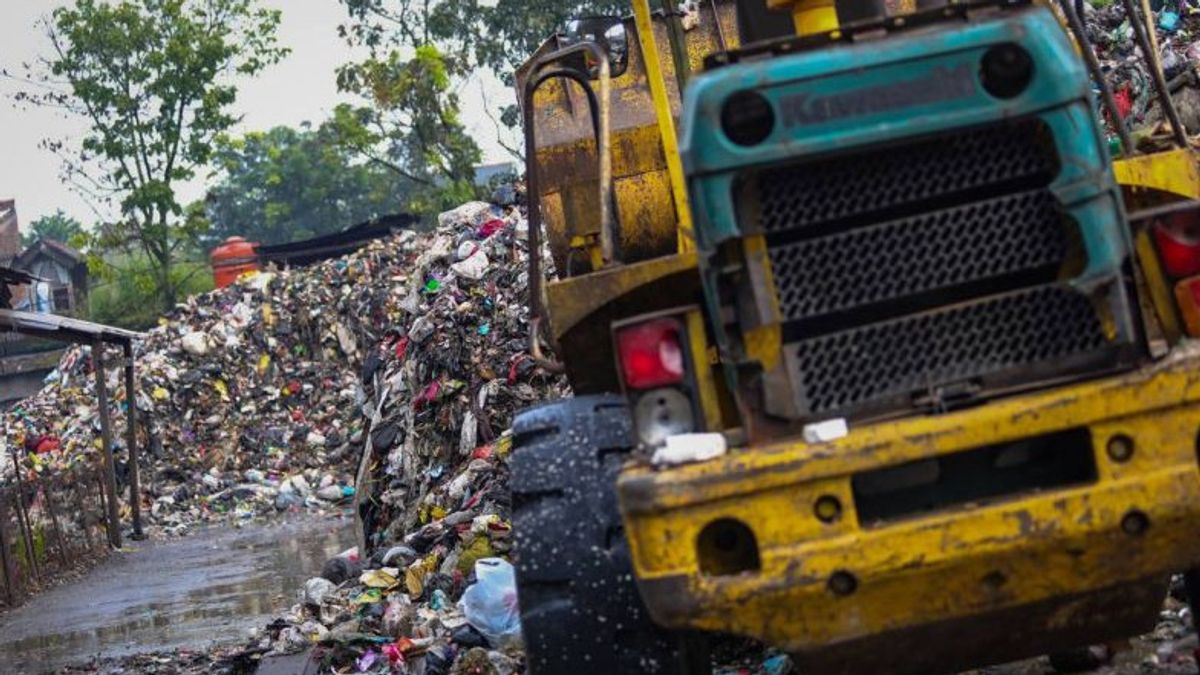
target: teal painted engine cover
927 218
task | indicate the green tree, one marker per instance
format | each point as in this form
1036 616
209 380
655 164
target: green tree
471 34
154 82
287 184
124 288
513 29
411 124
499 35
58 226
410 121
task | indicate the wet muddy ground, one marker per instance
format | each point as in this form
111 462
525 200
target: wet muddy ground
212 588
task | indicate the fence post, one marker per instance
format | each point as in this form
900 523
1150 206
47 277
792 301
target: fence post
64 557
78 488
110 474
26 530
23 517
10 575
135 498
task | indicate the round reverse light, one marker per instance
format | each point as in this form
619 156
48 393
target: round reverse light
660 413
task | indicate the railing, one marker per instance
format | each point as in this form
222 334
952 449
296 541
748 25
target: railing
49 527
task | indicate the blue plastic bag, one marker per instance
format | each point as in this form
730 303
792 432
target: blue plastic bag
1168 21
490 604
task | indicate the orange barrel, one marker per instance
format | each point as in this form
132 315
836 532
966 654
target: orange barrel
232 259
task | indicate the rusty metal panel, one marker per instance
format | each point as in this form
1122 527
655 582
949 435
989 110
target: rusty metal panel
566 154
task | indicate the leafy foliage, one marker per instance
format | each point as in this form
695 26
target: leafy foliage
125 288
515 28
410 125
419 51
288 184
500 36
57 226
471 34
153 81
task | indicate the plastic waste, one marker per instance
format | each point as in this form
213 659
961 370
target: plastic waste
1168 21
490 604
473 267
474 213
330 493
194 343
278 411
316 589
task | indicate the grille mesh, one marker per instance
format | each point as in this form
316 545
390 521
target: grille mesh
801 195
904 257
911 353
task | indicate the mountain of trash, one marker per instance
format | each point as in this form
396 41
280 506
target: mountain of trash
250 397
434 593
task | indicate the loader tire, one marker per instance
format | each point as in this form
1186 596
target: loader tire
580 608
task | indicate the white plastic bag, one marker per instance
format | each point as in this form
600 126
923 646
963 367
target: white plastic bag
490 604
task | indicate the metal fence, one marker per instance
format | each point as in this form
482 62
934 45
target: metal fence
48 527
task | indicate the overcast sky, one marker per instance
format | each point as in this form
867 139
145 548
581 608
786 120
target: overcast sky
300 88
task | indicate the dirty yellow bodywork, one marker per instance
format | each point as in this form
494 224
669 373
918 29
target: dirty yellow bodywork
970 561
1175 172
657 265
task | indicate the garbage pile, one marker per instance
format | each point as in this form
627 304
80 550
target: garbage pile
249 397
440 388
1177 33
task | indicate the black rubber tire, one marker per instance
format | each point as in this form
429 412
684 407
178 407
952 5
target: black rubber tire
580 609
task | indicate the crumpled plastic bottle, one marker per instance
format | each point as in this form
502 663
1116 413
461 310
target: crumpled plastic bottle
490 604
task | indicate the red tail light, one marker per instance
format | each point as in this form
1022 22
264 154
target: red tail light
651 354
1178 240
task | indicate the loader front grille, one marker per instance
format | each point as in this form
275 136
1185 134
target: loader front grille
913 353
977 242
940 261
986 161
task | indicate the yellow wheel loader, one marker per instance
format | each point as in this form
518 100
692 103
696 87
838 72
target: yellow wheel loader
879 357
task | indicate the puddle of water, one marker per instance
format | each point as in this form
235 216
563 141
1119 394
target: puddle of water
213 587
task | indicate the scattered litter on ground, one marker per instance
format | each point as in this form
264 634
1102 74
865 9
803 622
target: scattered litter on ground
1177 27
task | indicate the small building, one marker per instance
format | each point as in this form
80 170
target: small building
64 271
24 361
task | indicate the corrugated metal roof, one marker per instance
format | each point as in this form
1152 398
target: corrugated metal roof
64 328
325 247
66 255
